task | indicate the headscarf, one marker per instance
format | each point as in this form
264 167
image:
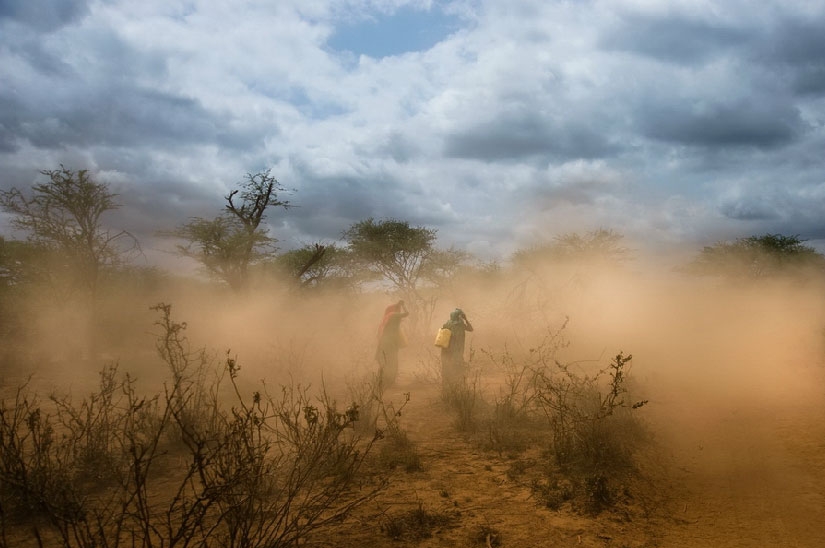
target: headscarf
456 315
388 313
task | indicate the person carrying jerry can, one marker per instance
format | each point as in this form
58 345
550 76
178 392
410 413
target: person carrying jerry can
451 341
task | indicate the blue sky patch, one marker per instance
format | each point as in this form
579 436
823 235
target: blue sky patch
404 31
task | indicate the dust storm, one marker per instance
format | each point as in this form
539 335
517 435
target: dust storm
733 373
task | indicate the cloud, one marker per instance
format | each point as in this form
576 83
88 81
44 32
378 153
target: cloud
490 121
524 135
122 117
760 122
578 182
669 38
749 209
778 209
794 40
44 15
794 49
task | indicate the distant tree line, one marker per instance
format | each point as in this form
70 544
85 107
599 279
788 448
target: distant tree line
758 257
71 248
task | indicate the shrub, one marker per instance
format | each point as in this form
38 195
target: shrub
591 430
398 451
269 470
415 524
588 421
463 398
383 419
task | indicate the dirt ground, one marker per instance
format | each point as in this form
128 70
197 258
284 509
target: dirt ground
728 475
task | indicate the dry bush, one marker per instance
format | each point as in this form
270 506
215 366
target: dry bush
464 399
381 417
587 422
515 421
590 425
396 448
595 432
179 469
415 524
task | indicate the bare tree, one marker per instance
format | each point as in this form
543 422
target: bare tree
230 243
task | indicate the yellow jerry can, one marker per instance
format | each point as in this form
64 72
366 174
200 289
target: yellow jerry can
443 338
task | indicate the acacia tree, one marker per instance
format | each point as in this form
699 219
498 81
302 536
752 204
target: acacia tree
392 250
230 243
758 257
64 217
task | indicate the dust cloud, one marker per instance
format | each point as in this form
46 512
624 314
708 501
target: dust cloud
733 371
693 340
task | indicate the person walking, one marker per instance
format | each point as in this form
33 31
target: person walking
390 341
453 369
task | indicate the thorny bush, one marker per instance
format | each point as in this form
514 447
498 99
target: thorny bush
181 469
381 416
589 420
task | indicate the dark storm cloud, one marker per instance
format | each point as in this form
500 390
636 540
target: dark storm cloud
795 48
326 206
7 141
55 104
749 209
159 202
528 135
118 117
45 15
9 122
675 39
791 205
794 41
29 49
810 80
762 123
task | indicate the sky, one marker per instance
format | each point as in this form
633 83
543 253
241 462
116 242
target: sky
499 123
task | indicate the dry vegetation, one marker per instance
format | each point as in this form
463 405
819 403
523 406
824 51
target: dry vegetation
599 409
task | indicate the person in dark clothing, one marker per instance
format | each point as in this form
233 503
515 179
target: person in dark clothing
390 340
452 357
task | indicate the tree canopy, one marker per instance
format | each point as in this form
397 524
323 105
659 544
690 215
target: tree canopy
392 249
758 257
64 216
